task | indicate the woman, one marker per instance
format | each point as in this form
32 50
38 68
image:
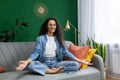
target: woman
47 56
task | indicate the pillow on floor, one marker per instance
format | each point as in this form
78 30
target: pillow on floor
88 57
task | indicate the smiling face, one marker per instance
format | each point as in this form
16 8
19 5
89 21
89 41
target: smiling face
51 27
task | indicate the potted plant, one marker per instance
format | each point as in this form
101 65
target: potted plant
9 35
101 48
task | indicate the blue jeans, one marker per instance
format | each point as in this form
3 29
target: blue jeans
40 67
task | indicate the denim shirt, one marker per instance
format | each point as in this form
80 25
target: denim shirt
39 49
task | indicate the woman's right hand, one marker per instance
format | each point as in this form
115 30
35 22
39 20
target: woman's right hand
21 65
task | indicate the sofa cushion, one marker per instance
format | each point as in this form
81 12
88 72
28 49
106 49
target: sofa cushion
1 69
91 72
79 51
89 57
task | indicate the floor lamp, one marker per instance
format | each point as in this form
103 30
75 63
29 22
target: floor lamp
67 27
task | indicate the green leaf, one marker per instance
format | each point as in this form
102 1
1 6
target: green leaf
105 49
16 23
101 48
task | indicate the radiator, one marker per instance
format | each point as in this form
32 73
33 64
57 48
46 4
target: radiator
115 60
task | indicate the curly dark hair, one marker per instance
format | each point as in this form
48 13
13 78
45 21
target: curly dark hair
58 32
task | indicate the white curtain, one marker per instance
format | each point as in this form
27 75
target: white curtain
85 20
107 20
107 30
101 19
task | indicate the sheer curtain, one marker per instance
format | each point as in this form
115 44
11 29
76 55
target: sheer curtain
85 20
101 19
107 20
107 30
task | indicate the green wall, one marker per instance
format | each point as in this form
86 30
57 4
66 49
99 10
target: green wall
10 10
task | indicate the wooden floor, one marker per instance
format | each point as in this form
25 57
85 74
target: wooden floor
110 78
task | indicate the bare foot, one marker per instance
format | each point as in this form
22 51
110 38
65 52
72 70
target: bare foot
57 70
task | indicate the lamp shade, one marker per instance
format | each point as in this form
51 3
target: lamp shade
67 26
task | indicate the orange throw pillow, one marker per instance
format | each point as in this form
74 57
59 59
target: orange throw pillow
89 57
1 69
79 51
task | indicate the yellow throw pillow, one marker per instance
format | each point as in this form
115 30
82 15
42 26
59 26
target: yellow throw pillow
88 57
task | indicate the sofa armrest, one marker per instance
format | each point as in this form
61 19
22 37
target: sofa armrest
98 63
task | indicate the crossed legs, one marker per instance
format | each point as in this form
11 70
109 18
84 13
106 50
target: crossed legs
63 66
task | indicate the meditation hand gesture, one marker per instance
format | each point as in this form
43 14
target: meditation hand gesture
83 61
86 62
21 65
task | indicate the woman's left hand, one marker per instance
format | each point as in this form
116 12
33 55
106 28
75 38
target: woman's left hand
86 62
83 61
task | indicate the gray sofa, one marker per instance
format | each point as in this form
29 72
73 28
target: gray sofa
12 52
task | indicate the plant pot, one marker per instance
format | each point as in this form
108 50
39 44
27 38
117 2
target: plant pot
104 73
